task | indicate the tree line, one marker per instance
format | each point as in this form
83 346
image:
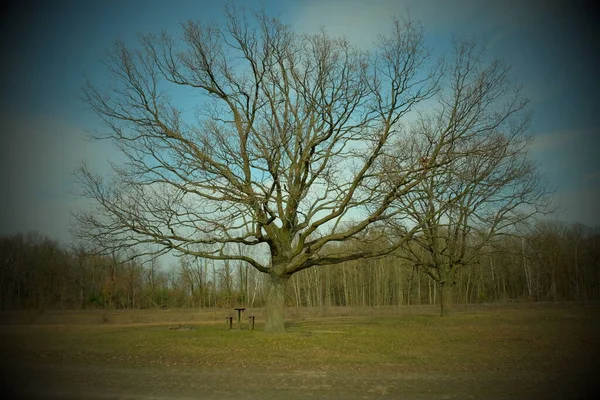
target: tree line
552 262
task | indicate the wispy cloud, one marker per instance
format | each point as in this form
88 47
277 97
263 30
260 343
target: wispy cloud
552 141
593 176
569 161
38 157
359 18
580 205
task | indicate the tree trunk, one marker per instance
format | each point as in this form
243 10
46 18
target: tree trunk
445 299
429 291
275 303
296 290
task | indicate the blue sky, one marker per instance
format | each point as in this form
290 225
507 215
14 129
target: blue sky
50 48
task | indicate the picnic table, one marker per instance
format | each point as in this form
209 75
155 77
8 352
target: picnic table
240 311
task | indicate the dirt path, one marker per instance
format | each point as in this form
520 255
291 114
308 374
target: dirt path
63 381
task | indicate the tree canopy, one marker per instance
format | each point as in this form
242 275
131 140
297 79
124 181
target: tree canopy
289 143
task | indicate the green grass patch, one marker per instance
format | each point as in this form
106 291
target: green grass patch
515 339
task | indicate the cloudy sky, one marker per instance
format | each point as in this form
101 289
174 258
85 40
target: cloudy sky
49 48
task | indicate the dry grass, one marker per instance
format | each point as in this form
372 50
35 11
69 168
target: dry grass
217 315
544 337
112 317
488 351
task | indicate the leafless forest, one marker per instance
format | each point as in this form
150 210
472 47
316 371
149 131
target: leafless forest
553 262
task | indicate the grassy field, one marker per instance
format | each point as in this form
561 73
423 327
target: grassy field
510 351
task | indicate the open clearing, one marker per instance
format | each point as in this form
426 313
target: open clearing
541 351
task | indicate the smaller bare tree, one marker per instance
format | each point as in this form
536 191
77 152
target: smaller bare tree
481 183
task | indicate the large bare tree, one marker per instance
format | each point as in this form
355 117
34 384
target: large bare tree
484 183
277 145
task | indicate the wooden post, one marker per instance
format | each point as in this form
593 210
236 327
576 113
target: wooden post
229 321
251 322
